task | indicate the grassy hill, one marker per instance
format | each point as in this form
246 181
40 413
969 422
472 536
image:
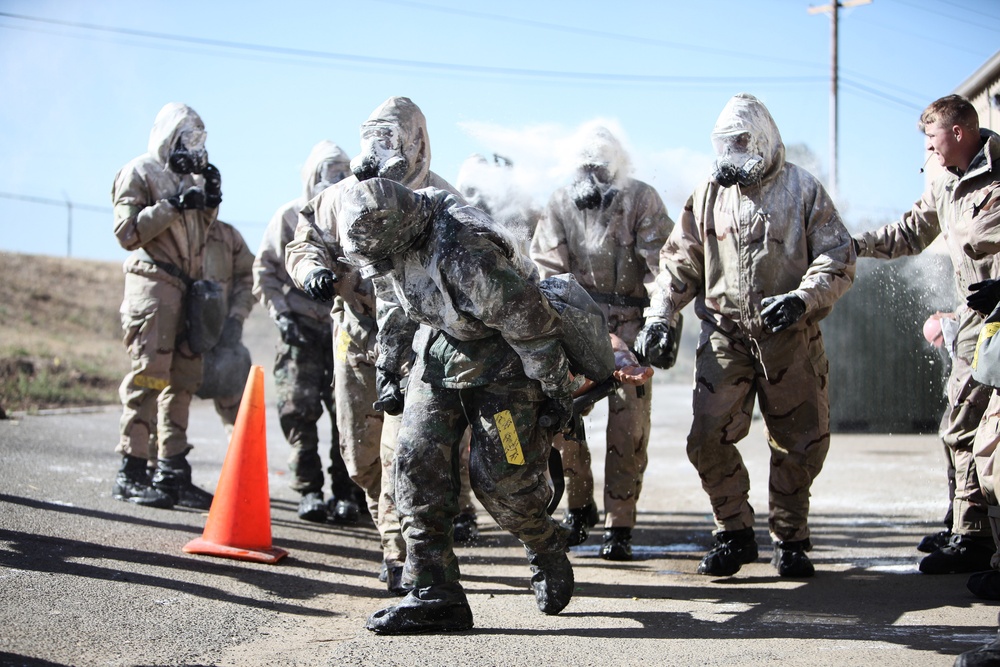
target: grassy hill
61 337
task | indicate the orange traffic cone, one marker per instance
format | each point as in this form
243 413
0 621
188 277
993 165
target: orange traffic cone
239 521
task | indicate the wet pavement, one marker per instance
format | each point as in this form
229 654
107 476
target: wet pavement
87 580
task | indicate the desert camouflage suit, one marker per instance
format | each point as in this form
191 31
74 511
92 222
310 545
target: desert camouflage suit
488 354
613 251
304 377
169 247
733 247
962 210
367 436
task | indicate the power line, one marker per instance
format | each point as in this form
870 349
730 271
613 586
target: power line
56 202
951 15
329 56
588 32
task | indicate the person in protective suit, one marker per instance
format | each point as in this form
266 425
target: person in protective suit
488 356
957 207
762 251
165 207
303 366
394 141
607 230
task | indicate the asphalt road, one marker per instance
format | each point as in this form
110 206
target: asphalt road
88 580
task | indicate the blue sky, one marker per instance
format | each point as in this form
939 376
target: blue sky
82 81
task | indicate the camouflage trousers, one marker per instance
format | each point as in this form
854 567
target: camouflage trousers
303 378
627 437
507 466
367 440
156 393
788 376
967 407
988 470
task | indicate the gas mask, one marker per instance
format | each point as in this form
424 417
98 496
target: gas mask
592 188
329 172
189 155
381 154
738 160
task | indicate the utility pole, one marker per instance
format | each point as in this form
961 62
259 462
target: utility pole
833 9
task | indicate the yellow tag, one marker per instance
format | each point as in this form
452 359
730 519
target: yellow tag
343 342
508 438
147 382
987 332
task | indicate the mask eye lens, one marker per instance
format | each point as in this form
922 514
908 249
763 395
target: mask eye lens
193 140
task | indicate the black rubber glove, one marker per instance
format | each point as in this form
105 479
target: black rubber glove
319 284
984 296
213 186
557 413
390 394
191 199
782 311
232 332
655 345
291 333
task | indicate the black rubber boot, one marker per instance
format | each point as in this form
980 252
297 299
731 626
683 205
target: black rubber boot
579 521
962 554
466 529
344 510
132 484
931 543
984 656
173 477
733 549
312 507
791 560
617 544
440 608
985 585
551 579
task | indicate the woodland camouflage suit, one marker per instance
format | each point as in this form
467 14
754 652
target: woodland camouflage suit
488 355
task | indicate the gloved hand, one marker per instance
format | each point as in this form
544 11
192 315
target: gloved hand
782 311
557 413
319 284
213 185
232 332
655 344
289 329
191 199
984 296
390 394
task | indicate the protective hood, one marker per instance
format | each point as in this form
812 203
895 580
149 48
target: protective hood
602 165
744 113
324 151
171 121
602 149
378 218
409 122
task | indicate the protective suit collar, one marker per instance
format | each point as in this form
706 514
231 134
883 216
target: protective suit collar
324 151
172 120
745 114
414 144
